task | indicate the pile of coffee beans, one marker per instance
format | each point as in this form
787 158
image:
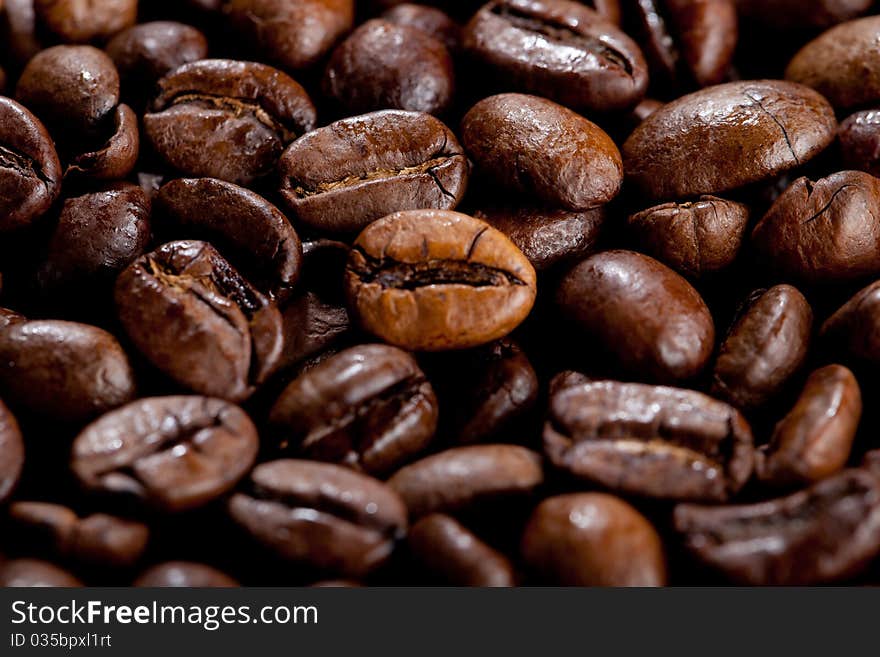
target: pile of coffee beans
518 292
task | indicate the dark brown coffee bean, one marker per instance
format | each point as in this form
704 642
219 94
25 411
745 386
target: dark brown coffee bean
175 453
294 35
227 119
344 176
765 347
368 407
184 574
684 148
825 533
311 325
649 440
8 317
115 158
243 224
859 137
197 320
75 21
693 237
794 14
30 173
63 370
364 74
467 477
593 539
19 23
854 330
824 231
814 440
842 64
321 515
20 573
559 49
432 280
11 453
546 236
456 556
652 322
429 20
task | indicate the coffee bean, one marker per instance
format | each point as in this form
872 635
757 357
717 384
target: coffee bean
456 556
814 439
429 20
693 237
467 477
794 14
184 574
227 119
593 539
344 176
20 573
369 407
684 148
311 325
321 515
765 347
649 440
859 138
652 322
19 22
116 157
558 49
73 21
822 534
8 317
854 329
198 321
11 453
175 453
434 280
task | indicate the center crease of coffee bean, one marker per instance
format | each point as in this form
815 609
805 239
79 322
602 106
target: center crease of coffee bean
238 107
410 276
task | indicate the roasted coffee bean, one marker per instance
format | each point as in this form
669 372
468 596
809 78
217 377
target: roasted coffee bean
467 477
814 440
859 138
98 539
243 224
546 236
649 440
825 533
650 320
344 176
11 453
456 556
765 347
577 166
8 317
293 35
684 148
75 21
30 173
429 20
310 325
794 14
321 515
184 574
824 231
227 119
433 280
693 237
198 321
854 330
115 158
175 453
364 74
558 49
63 370
368 407
20 573
593 539
842 64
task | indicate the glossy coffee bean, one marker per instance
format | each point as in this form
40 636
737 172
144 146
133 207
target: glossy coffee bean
246 227
30 173
814 439
824 231
793 14
368 407
558 49
175 453
364 74
227 119
683 149
430 20
115 157
20 573
649 440
310 325
854 329
456 556
74 21
434 280
321 515
593 539
467 477
198 321
693 237
825 533
577 167
653 323
184 574
11 453
765 347
859 138
342 177
62 370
